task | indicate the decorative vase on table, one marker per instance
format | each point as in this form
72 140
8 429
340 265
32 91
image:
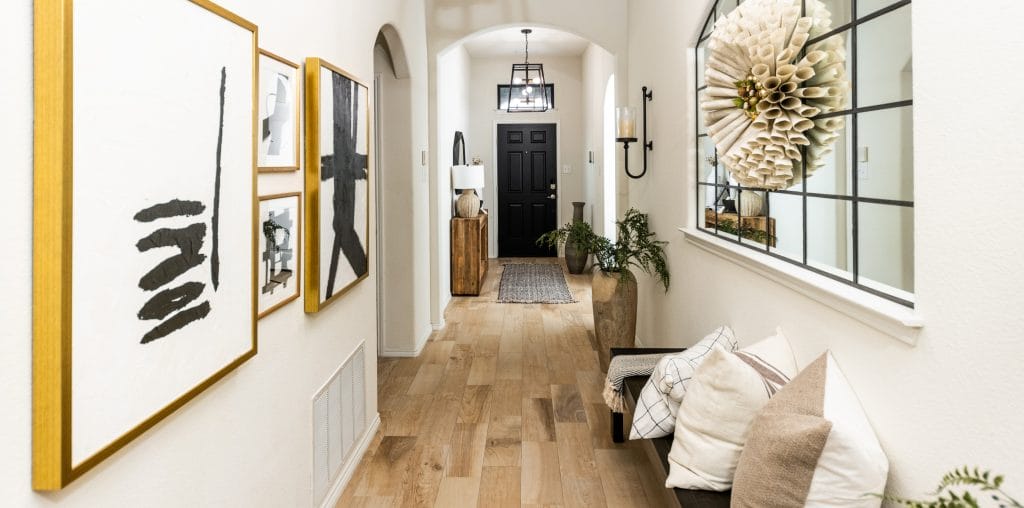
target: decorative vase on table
575 257
614 301
751 203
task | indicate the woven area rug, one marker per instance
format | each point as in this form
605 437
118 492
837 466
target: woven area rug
524 283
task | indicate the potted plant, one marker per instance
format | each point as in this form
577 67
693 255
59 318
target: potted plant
578 238
614 285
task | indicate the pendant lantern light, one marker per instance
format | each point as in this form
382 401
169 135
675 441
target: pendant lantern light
527 90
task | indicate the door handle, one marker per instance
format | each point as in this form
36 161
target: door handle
552 196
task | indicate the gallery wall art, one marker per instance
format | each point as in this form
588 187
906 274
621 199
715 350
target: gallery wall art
279 97
337 183
280 231
144 265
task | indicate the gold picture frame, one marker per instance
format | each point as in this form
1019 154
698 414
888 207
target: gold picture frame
298 258
53 465
316 298
294 166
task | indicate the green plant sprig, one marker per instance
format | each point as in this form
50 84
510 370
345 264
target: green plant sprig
635 246
989 486
729 226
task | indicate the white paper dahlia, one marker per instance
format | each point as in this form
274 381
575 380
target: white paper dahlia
766 88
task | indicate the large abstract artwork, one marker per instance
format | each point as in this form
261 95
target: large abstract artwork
278 251
145 226
337 183
278 114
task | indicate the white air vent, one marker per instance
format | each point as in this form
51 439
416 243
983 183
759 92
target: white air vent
339 420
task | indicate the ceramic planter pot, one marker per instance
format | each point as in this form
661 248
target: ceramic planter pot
575 258
614 300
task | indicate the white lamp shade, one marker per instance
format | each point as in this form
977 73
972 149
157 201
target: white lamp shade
468 177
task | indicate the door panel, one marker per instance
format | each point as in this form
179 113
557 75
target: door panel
527 196
515 172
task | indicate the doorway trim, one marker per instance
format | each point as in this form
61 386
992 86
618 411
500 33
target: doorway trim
492 193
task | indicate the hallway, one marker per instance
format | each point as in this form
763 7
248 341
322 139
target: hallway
502 408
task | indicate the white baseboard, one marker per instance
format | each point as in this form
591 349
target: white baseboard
438 326
334 495
420 344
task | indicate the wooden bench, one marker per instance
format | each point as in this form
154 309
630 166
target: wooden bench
658 448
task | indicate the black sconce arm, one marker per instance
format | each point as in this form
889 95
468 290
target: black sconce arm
648 95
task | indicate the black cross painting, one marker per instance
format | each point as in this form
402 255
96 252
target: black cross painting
342 177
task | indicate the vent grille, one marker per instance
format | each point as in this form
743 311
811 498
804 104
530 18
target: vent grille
339 420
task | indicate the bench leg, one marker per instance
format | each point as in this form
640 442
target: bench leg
617 436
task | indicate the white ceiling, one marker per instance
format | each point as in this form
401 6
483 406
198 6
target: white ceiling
509 42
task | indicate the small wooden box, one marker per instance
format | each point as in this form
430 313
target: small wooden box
469 254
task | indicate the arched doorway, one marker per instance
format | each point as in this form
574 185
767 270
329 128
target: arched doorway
400 306
465 97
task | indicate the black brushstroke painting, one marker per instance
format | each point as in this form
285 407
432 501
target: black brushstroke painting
277 253
345 166
188 241
170 300
215 223
172 208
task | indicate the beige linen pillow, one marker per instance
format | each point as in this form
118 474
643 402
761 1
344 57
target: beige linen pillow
727 391
812 445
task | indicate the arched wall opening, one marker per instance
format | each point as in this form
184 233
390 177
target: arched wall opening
402 298
464 100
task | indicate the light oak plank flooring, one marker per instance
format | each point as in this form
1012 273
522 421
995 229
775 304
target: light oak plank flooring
502 408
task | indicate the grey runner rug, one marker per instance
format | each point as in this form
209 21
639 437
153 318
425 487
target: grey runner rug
525 283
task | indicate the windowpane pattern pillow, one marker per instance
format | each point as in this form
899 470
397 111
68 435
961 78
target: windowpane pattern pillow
656 407
812 445
725 395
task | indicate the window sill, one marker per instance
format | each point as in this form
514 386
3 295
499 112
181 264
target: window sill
891 318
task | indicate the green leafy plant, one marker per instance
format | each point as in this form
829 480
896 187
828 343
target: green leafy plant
954 491
579 233
729 226
635 246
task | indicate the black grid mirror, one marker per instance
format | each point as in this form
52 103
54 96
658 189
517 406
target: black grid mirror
852 220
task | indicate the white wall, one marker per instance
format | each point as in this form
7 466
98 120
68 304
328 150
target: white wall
246 441
952 399
453 87
565 74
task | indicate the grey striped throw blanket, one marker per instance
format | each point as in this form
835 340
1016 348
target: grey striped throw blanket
620 368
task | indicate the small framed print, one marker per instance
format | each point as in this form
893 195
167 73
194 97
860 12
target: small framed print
278 114
280 237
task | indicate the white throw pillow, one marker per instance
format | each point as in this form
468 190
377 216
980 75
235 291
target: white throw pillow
812 445
726 393
658 403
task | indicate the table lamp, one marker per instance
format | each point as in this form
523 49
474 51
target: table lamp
468 178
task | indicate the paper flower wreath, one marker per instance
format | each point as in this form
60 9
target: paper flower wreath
762 96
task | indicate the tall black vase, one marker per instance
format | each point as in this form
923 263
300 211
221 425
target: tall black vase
575 259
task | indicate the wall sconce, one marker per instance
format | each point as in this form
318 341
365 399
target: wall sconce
625 132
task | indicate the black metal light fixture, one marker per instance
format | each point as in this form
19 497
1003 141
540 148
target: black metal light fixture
625 131
527 85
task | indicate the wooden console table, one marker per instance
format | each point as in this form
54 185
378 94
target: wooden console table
469 254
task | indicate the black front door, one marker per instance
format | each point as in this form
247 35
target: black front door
527 195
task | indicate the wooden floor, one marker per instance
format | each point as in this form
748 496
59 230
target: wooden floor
502 408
